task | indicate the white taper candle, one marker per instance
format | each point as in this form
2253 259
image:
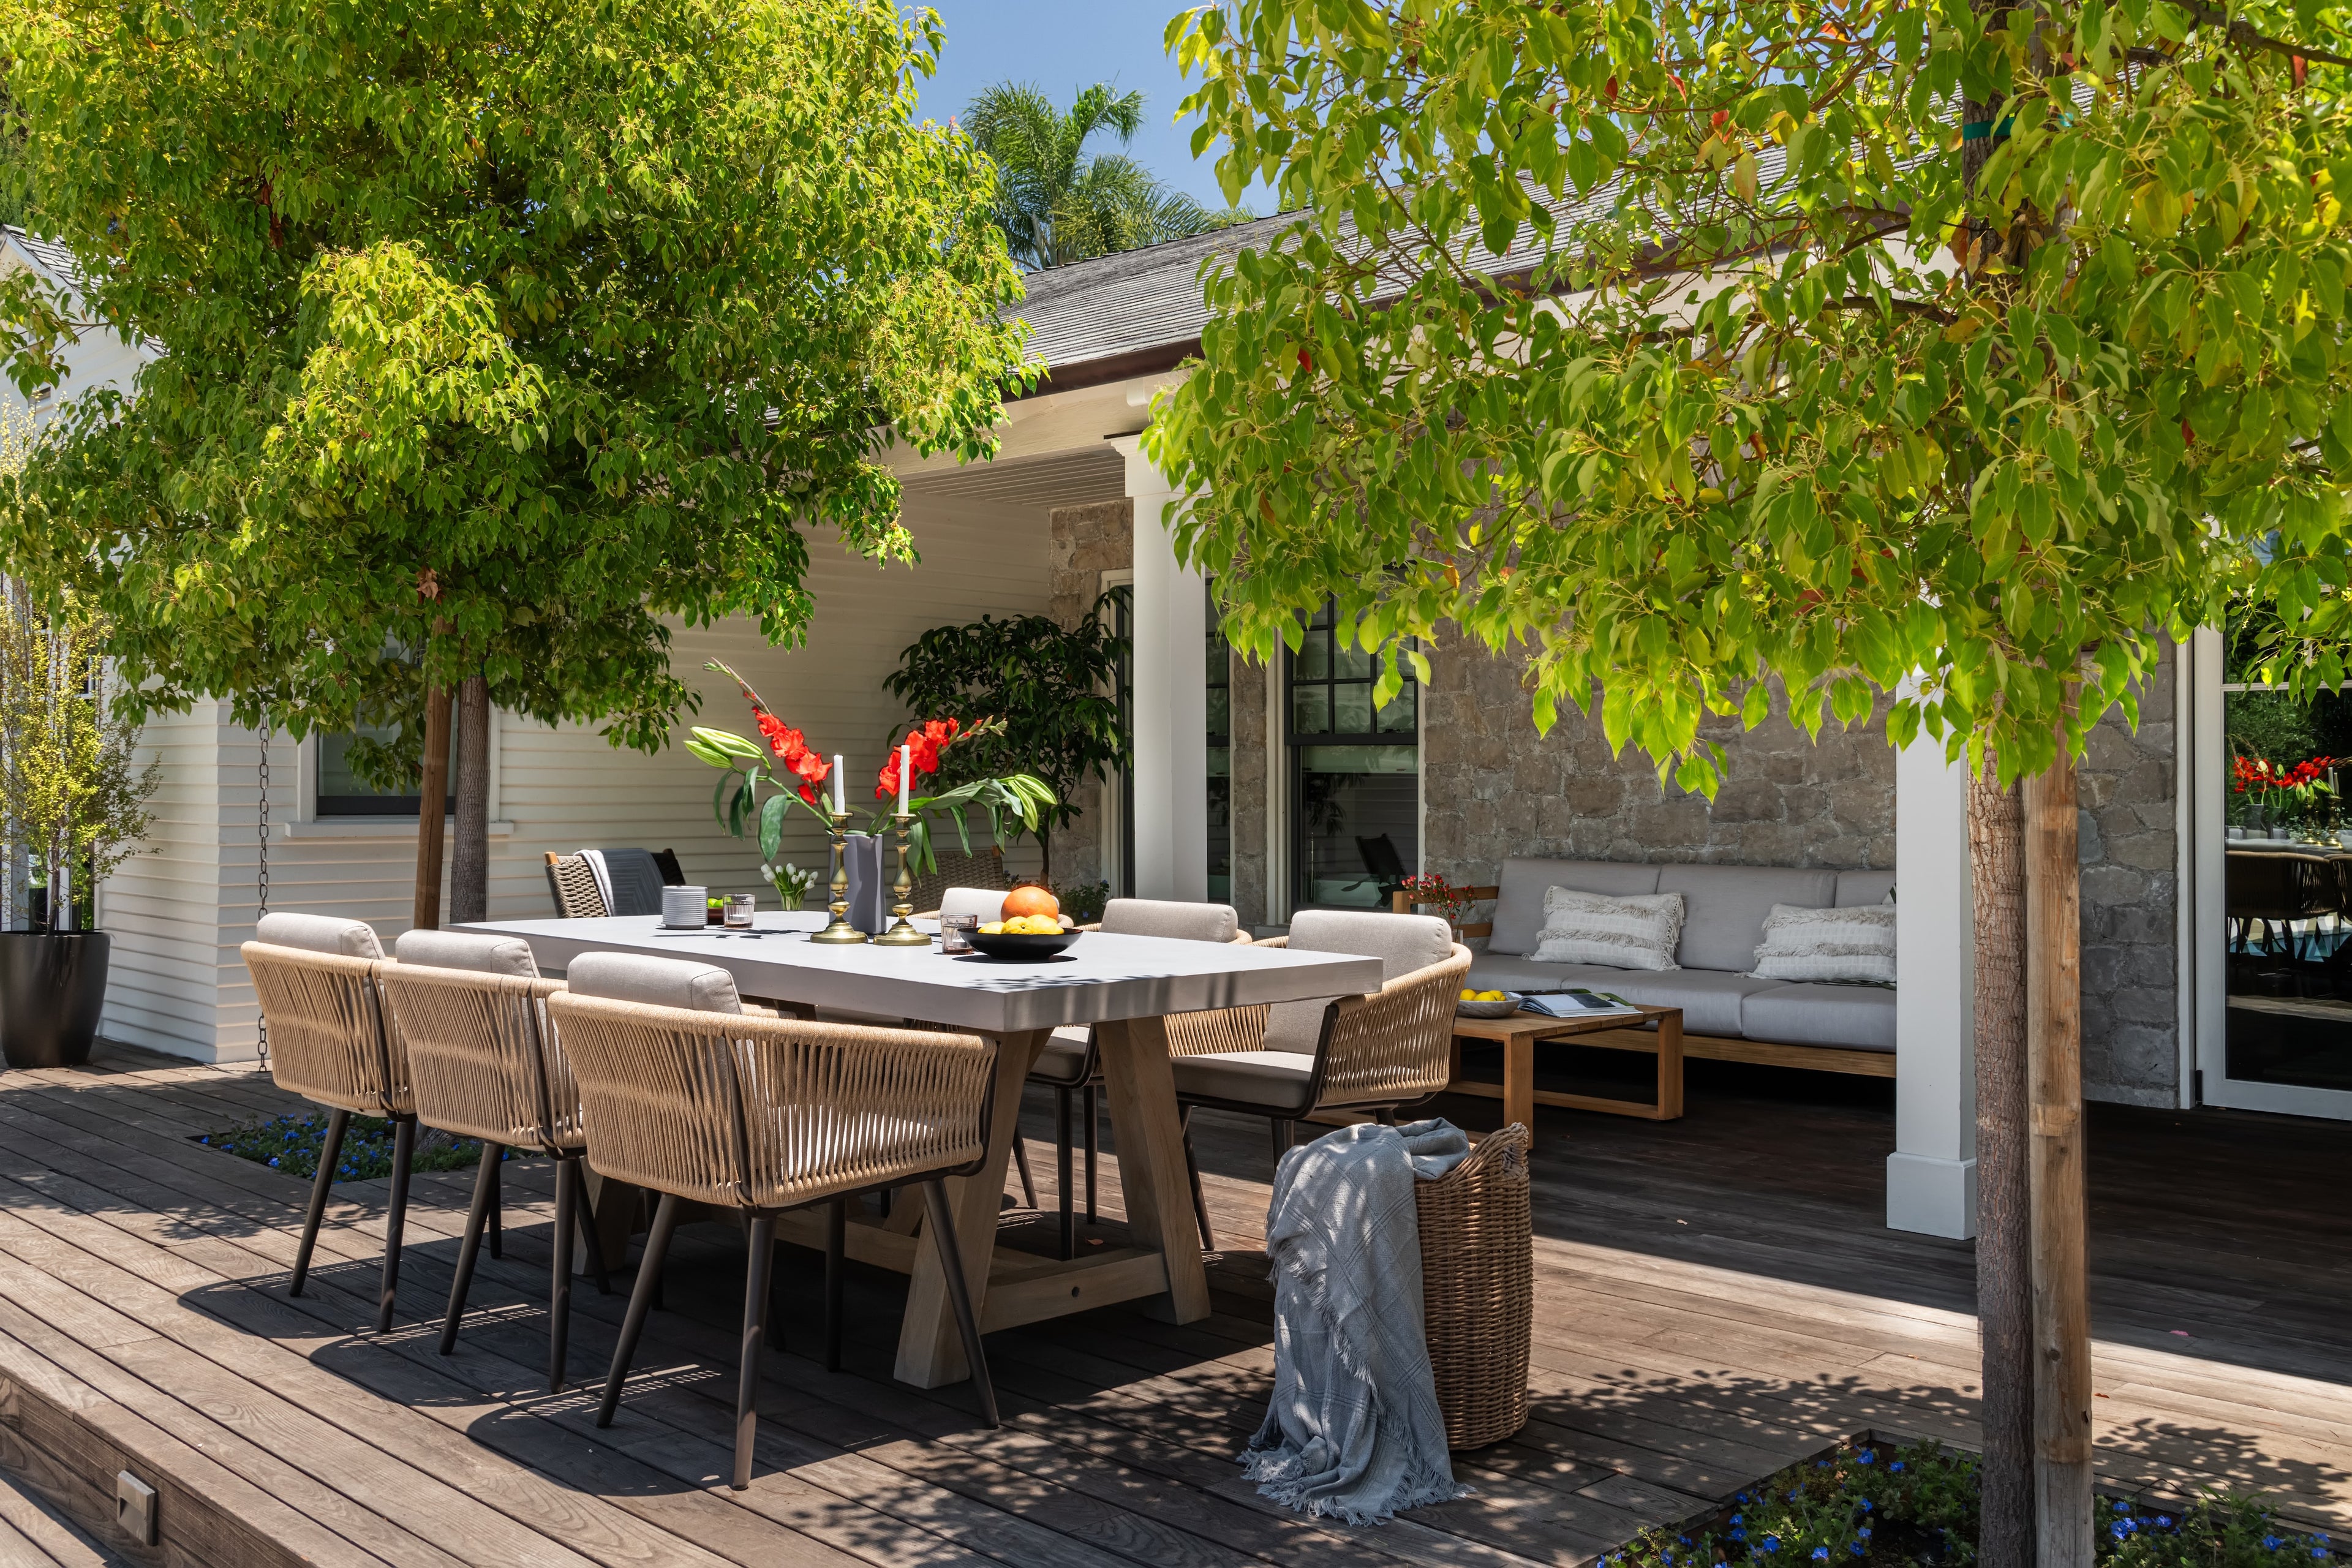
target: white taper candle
905 765
840 788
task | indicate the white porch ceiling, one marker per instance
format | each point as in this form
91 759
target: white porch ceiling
1056 478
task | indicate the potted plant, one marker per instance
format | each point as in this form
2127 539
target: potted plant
74 807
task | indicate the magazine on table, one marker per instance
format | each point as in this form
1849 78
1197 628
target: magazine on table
1576 1003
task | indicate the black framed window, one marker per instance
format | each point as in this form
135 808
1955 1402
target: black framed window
342 793
1221 758
1355 775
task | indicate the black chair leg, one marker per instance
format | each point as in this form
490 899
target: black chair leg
759 1270
1093 1141
641 1300
836 1236
330 1152
1200 1199
942 1225
558 1294
1065 1200
498 1209
1286 1132
1385 1116
486 1186
1021 1160
403 1150
587 1213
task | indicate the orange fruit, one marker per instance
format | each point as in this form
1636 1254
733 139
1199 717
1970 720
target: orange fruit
1031 902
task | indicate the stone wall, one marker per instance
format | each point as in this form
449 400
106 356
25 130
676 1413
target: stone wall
1493 788
1087 541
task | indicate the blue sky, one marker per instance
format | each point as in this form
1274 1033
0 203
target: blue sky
1063 46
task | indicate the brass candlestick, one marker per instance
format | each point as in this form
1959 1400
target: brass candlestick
840 931
902 934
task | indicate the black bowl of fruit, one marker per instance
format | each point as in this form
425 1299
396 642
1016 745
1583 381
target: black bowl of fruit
1023 937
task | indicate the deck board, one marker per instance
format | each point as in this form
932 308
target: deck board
1716 1297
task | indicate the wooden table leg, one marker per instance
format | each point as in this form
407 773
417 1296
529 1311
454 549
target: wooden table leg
1151 1160
1670 1067
930 1351
1520 1083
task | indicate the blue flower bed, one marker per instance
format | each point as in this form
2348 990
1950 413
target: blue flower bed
1881 1506
291 1144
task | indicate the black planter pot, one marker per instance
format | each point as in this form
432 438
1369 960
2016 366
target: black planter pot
52 990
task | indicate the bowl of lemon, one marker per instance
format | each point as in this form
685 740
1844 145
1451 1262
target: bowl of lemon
1487 1003
1029 937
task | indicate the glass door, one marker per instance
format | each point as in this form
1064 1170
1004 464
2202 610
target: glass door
1355 776
2278 1036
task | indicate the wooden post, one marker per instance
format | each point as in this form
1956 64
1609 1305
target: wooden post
2062 1319
2004 1184
432 804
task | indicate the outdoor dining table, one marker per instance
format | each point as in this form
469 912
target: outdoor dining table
1100 980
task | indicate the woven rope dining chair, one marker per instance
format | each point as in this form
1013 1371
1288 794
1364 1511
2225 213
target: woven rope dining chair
331 1042
1377 1052
487 1065
704 1104
572 885
1071 1063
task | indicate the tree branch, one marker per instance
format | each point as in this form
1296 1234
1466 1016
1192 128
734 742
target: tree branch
2243 35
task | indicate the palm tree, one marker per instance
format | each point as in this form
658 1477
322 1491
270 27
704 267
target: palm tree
1056 203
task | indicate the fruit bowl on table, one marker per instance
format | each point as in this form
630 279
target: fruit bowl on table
1031 945
1466 1008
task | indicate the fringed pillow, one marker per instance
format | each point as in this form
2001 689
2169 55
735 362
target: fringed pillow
1856 946
1637 932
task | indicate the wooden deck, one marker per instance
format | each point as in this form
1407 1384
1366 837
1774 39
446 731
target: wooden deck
1717 1296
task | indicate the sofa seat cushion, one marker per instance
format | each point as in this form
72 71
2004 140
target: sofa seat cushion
1063 1062
1711 1003
1271 1080
1814 1012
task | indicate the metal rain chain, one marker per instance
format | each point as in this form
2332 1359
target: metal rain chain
261 876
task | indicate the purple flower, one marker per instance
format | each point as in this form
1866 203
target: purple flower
1896 1467
1867 1457
2271 1543
1771 1543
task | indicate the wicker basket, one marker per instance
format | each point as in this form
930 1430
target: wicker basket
1478 1288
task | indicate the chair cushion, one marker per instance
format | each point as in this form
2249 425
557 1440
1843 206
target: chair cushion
467 950
988 903
1852 944
1165 917
1858 888
320 934
1276 1080
1858 1018
1063 1062
654 981
1635 932
1402 943
1711 1003
1726 907
1519 908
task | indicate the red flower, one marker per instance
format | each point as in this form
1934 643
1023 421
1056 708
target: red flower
812 771
783 739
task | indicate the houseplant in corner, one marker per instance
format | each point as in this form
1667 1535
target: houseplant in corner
74 807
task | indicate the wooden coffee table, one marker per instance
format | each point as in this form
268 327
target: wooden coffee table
1614 1031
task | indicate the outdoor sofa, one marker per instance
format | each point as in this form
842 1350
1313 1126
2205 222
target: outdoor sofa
1728 1014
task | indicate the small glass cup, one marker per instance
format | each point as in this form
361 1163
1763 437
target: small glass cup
955 932
738 910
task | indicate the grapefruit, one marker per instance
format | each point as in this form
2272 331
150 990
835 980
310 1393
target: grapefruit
1031 902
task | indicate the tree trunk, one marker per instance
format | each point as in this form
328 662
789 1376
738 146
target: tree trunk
432 802
470 856
2062 1313
2004 1182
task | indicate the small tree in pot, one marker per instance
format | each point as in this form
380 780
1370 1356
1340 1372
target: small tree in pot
74 806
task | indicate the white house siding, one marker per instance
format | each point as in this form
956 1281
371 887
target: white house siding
180 910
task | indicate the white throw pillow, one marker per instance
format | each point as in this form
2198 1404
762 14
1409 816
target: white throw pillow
1856 945
1637 932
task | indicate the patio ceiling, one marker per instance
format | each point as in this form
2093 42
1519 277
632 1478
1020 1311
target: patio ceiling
1073 478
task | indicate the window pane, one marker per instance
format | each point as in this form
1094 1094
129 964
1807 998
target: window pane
1221 698
1310 711
1314 656
1358 831
1354 715
341 790
1397 718
1353 663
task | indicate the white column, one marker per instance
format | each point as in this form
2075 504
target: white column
1931 1177
1171 700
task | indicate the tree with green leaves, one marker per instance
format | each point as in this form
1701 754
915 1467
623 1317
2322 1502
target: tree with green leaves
1055 689
1940 361
495 340
1058 202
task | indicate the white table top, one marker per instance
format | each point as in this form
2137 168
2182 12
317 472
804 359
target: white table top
1099 977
